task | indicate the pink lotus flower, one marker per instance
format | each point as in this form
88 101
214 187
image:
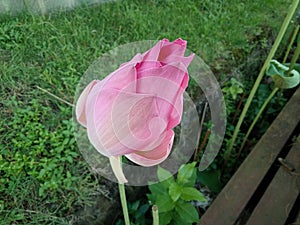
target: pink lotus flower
133 110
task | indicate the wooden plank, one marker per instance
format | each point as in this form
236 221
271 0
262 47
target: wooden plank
280 196
235 195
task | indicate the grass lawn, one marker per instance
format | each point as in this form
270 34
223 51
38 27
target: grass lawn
42 174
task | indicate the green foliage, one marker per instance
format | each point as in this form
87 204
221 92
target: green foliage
187 175
278 40
173 197
137 213
278 72
231 90
273 109
296 66
27 133
212 179
268 116
37 162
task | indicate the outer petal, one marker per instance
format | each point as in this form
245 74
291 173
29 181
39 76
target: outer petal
120 122
155 156
136 59
146 65
81 103
121 78
135 121
153 53
99 125
168 83
175 59
98 108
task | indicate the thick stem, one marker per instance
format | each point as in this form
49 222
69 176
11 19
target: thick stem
294 59
116 165
155 215
124 203
257 117
260 76
291 44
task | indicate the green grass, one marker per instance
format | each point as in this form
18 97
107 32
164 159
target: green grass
42 174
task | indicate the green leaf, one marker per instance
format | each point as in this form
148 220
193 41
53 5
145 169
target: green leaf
164 203
211 179
190 193
187 174
19 216
233 87
165 177
151 198
134 206
177 220
143 209
175 191
187 212
41 191
296 66
165 218
42 173
278 73
157 188
69 159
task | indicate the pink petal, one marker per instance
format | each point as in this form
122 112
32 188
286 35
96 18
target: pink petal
171 49
135 121
136 59
153 53
168 83
155 156
99 126
179 41
121 122
81 103
171 59
122 77
146 65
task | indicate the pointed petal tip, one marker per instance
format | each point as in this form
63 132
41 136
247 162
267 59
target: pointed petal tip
180 41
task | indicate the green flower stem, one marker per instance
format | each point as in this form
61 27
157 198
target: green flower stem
260 76
291 43
294 59
292 64
124 203
257 117
155 215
